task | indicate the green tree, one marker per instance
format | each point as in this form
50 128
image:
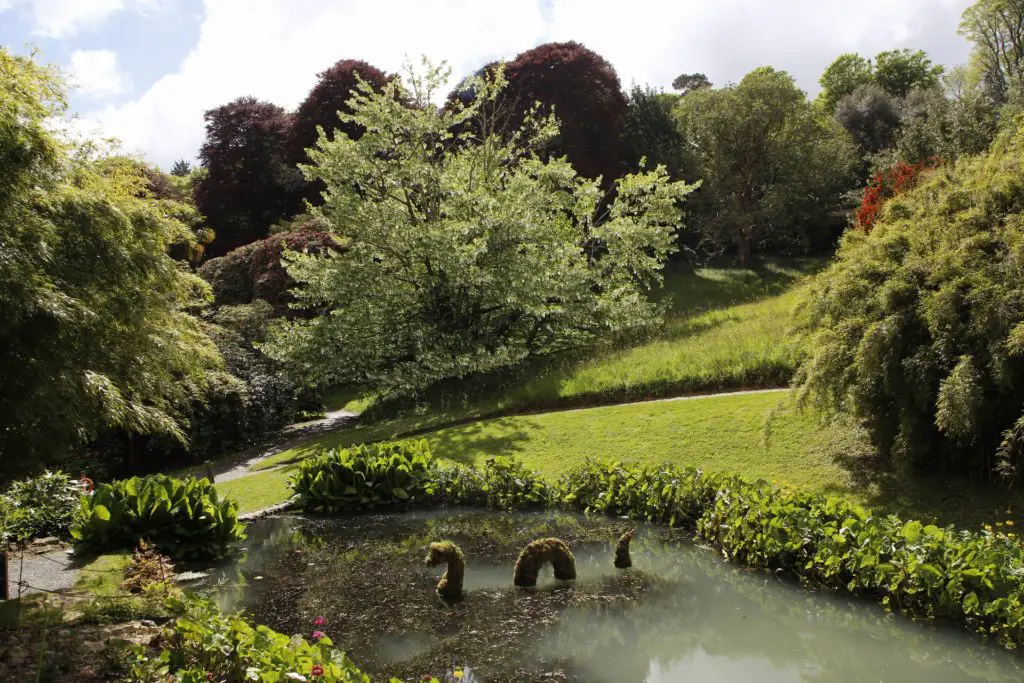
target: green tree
772 168
840 78
996 27
466 254
181 168
651 132
686 83
899 72
94 332
918 327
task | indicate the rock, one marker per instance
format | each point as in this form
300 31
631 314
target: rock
93 647
49 540
64 634
148 623
17 655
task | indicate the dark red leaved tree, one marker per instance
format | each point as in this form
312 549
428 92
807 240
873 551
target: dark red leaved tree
320 108
587 98
249 185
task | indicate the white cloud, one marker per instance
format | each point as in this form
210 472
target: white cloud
95 72
273 49
64 18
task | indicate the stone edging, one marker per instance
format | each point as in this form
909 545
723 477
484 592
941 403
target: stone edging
266 512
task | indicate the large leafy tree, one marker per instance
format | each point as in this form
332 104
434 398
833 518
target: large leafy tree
248 184
918 327
772 168
466 253
900 72
94 334
842 77
583 90
321 108
871 116
650 131
996 27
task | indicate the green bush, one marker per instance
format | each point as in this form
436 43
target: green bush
185 519
918 327
922 571
206 645
363 478
502 483
38 506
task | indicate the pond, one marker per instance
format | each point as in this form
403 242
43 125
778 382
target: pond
679 614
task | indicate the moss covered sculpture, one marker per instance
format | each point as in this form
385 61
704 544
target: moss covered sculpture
450 585
539 552
622 558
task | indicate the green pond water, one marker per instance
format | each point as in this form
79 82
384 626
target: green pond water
679 614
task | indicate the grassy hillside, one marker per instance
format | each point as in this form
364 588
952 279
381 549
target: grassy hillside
756 435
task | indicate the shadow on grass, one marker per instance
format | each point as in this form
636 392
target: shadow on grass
965 503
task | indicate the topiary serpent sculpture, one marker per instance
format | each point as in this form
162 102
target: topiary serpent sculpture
450 585
622 558
536 554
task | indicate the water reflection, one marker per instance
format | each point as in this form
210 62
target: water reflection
680 614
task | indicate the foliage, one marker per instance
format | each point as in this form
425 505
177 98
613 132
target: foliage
772 169
363 478
947 125
500 483
842 77
466 255
871 116
915 327
148 569
95 334
181 168
206 645
887 184
900 72
320 110
994 26
582 89
897 72
186 519
248 185
650 132
912 568
686 83
255 271
37 507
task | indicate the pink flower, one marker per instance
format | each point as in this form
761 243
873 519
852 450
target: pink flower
317 635
317 670
320 621
209 675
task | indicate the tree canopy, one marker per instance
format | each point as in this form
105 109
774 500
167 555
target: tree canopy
248 183
772 168
466 253
897 72
918 327
996 27
94 332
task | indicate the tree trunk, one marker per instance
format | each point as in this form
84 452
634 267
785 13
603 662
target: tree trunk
744 246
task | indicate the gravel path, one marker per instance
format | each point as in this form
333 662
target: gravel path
292 436
44 569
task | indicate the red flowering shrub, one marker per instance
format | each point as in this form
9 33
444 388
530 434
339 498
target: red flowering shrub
255 270
888 184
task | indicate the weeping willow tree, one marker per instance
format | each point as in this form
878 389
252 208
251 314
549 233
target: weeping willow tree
94 332
918 327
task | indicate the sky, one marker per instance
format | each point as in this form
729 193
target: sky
144 71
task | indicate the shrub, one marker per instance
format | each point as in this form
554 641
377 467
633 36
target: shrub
363 478
206 645
918 570
184 518
255 272
38 506
502 483
918 327
896 180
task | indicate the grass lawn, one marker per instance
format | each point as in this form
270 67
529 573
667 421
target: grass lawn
756 435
